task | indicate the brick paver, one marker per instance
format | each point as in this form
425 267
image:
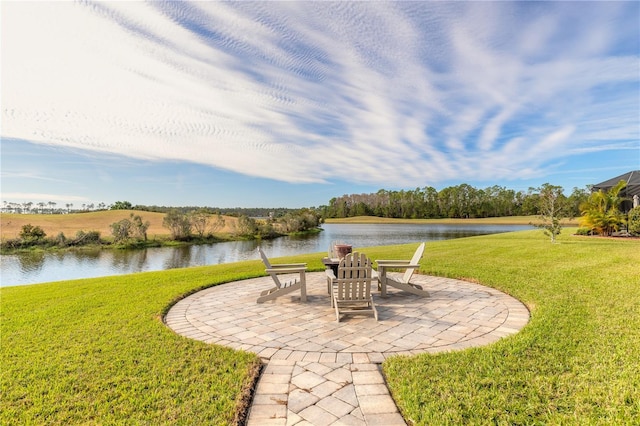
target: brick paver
322 372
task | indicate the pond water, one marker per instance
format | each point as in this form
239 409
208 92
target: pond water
32 268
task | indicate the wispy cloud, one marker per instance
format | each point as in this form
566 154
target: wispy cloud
393 94
32 196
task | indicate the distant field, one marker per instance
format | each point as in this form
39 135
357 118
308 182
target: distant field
70 224
509 220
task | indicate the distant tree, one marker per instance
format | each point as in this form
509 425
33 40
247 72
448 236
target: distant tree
139 227
578 197
199 220
178 224
121 205
553 208
121 230
246 226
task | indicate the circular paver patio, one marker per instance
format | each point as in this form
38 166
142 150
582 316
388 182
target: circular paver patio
322 372
457 315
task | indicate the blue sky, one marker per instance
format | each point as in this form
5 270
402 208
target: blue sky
288 104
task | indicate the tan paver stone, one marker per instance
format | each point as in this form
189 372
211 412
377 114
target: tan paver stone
367 378
296 356
360 358
339 375
293 419
376 357
357 413
312 356
317 416
307 380
388 419
344 357
262 399
349 420
368 390
364 367
272 387
348 395
268 411
335 406
300 399
325 389
319 368
276 378
328 357
281 354
377 404
268 422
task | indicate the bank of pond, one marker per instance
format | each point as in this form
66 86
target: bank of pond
42 266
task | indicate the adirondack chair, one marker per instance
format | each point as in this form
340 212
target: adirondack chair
284 287
351 288
404 282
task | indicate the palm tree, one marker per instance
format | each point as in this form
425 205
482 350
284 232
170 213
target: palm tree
601 212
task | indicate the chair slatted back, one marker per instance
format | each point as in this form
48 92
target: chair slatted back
414 261
354 278
267 264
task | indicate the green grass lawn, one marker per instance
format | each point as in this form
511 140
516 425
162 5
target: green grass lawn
95 351
576 362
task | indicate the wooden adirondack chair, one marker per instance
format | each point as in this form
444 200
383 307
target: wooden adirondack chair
351 288
404 282
284 287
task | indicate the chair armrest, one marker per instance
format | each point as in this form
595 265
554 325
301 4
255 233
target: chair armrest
385 262
330 274
285 270
289 265
397 265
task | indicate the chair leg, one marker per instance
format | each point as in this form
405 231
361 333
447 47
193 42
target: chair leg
375 311
303 287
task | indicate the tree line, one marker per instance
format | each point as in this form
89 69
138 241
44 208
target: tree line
461 201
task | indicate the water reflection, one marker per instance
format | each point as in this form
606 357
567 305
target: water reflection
31 262
179 257
30 268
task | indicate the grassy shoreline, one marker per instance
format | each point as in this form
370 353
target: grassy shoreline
97 351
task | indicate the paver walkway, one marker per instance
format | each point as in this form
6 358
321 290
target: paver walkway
321 372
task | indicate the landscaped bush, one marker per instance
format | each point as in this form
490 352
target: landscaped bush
601 212
634 221
583 231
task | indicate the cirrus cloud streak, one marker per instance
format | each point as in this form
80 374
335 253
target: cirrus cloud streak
395 94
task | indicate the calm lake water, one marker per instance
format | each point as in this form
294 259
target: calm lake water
35 268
